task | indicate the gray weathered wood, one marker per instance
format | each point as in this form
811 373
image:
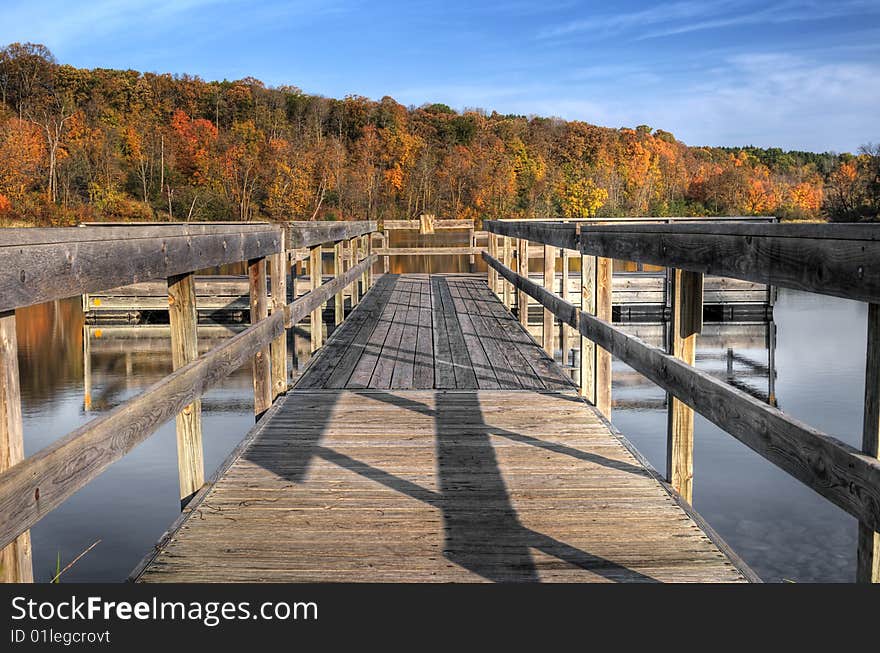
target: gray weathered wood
587 385
183 323
278 280
830 259
522 262
316 269
604 292
558 234
39 265
311 233
338 271
16 565
840 473
549 277
686 323
262 363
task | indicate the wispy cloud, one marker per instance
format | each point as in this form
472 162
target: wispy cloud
687 16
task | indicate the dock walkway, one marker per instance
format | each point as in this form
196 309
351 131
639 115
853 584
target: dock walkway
432 439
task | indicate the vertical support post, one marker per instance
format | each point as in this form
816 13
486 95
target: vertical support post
868 555
549 318
687 322
368 251
315 325
472 243
604 269
493 252
278 279
87 368
563 329
16 565
386 260
353 261
260 311
338 298
508 261
183 322
522 299
588 348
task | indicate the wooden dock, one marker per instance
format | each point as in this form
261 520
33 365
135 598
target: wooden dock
432 439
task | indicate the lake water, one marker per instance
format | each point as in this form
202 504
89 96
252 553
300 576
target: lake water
779 527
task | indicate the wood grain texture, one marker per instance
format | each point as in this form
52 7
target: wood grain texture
262 363
39 265
311 233
686 323
604 301
183 325
547 333
316 326
840 473
278 274
436 486
16 565
421 331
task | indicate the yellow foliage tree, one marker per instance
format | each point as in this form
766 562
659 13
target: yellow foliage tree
581 198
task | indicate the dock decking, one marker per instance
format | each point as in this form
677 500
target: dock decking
431 439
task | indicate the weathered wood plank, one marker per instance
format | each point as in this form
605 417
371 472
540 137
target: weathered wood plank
183 324
262 363
557 234
456 486
311 233
830 259
278 300
547 333
428 251
16 565
39 265
316 325
686 323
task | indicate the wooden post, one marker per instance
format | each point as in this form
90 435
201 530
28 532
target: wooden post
522 299
278 279
352 261
315 324
386 261
493 252
87 368
508 261
368 251
868 555
472 240
16 565
260 311
338 298
563 329
183 322
587 387
549 318
687 322
604 269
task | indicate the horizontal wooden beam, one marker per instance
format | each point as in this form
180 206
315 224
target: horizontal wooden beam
831 259
390 225
427 251
557 234
40 265
840 473
308 234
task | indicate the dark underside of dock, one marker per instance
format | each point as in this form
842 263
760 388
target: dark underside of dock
431 439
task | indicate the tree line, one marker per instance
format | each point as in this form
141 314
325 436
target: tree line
78 144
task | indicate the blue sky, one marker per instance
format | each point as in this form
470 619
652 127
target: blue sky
798 75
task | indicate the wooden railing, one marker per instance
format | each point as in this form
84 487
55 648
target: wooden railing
39 265
838 260
427 225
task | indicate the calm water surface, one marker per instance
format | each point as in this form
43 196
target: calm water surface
783 530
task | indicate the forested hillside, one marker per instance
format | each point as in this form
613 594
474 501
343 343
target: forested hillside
81 144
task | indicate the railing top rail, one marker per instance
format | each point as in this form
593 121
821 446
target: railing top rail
652 219
310 233
842 260
40 265
438 224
